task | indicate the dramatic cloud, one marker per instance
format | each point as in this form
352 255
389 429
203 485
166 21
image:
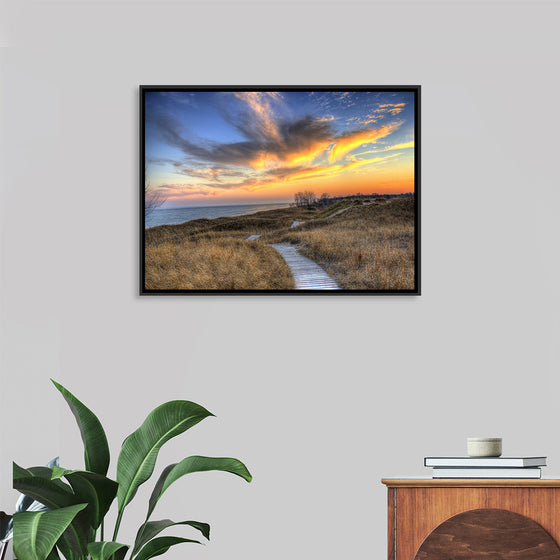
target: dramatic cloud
352 140
272 143
388 148
298 173
278 142
273 146
258 122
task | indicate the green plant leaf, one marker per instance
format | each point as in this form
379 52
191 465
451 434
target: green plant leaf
148 531
36 533
140 449
96 448
95 489
45 473
160 545
55 494
196 463
19 471
106 549
25 503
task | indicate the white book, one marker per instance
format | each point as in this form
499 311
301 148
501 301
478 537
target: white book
487 473
467 462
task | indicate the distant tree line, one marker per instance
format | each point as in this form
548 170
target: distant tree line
308 199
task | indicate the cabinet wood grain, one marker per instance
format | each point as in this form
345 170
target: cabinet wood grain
418 509
488 534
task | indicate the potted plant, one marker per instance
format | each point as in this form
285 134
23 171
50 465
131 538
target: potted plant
77 501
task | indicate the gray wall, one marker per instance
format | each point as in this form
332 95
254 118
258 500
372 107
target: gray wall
321 397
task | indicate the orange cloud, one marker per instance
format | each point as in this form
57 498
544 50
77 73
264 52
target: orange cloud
206 173
309 153
353 140
389 148
401 146
360 162
391 108
265 160
315 172
340 178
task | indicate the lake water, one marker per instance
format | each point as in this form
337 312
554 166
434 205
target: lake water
171 216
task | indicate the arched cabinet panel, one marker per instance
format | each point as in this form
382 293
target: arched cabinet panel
484 534
473 519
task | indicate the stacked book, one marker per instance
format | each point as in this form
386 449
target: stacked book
485 467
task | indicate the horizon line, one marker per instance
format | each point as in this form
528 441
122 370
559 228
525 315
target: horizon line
291 201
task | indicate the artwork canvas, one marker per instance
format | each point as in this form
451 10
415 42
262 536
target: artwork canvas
280 190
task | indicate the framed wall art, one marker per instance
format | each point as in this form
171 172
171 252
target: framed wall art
280 190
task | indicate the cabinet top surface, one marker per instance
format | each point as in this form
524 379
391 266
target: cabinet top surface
470 482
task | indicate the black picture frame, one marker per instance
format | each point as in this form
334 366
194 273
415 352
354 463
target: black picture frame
415 90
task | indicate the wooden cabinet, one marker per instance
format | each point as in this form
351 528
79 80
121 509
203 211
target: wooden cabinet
506 519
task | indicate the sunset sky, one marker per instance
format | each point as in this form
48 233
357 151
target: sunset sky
214 148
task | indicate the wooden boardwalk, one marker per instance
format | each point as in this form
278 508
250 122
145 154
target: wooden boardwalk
308 275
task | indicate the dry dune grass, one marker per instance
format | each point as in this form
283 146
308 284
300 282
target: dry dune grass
213 254
240 226
368 247
215 264
364 247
